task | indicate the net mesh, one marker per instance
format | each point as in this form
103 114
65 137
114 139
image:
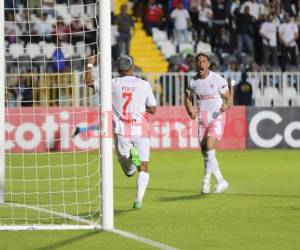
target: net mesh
51 176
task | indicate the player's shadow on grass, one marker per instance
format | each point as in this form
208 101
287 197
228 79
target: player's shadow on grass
65 242
118 212
183 197
159 189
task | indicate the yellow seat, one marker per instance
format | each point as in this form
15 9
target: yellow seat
145 53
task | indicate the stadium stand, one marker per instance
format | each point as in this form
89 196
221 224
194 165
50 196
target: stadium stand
154 50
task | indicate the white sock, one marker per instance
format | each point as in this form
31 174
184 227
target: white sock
208 169
142 183
213 164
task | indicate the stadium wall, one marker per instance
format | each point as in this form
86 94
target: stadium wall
35 130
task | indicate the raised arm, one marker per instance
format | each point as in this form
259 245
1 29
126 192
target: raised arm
91 61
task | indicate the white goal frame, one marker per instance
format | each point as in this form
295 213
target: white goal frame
2 104
106 142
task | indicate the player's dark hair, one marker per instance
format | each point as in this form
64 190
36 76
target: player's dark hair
124 63
202 54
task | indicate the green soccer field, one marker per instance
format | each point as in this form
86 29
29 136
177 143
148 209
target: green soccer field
260 210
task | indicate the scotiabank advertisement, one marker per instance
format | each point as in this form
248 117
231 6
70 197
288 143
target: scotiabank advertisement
273 127
51 129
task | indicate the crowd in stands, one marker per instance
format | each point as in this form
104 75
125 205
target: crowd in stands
264 30
51 25
242 35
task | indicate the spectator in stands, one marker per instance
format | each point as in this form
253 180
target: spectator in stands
253 77
205 15
58 60
232 73
48 7
42 29
138 8
255 9
221 15
288 34
76 30
114 40
175 4
22 18
9 4
182 22
244 23
11 98
125 23
153 17
233 67
222 42
268 31
243 92
189 64
25 91
10 27
90 33
287 7
193 11
61 31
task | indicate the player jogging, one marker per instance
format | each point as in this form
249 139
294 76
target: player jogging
213 99
131 99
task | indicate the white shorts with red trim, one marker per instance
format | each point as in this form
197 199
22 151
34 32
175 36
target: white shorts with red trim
211 125
123 145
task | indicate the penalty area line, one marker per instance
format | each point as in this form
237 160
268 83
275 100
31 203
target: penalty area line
125 234
56 213
143 239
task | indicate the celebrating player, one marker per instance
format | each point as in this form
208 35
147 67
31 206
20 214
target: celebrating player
213 99
131 98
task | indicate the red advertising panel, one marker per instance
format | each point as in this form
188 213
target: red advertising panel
50 129
171 128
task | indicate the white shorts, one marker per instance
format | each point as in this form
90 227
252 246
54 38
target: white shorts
124 144
212 127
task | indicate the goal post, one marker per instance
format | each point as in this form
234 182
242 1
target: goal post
50 177
106 109
2 105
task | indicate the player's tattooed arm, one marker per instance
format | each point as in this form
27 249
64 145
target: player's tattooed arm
227 100
189 105
91 61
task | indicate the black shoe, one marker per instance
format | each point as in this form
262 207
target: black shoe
76 131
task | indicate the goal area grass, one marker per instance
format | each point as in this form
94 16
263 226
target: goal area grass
260 210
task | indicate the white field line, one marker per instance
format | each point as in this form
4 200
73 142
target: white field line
143 240
63 215
84 221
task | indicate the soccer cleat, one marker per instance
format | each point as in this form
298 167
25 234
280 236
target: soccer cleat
137 205
135 159
76 131
221 186
205 187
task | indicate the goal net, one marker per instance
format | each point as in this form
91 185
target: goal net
51 177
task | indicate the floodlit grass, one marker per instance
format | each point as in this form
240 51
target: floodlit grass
260 210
